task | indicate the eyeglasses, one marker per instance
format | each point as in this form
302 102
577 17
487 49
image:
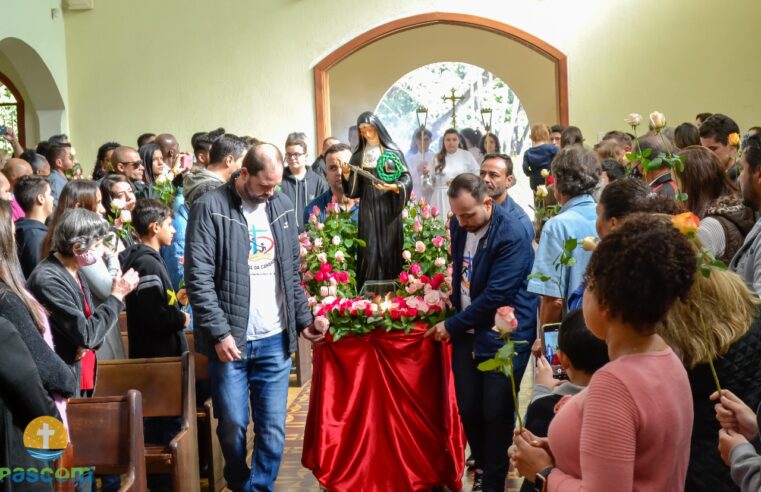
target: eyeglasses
133 164
294 155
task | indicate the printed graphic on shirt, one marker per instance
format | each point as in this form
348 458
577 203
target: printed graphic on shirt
261 258
467 273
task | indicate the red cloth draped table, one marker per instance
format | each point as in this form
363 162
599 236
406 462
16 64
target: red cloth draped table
383 414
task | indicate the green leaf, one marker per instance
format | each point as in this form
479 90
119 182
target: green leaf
540 276
489 365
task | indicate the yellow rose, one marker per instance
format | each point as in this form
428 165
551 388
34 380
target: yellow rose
687 223
541 191
734 139
545 173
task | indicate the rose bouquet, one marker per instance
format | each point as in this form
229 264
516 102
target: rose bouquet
328 251
121 219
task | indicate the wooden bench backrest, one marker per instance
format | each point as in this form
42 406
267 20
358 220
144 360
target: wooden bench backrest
161 382
202 362
108 432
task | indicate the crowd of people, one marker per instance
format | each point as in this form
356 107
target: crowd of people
642 310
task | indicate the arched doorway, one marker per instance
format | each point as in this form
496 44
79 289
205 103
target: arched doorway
415 41
11 111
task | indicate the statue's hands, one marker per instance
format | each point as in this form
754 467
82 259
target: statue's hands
345 170
387 187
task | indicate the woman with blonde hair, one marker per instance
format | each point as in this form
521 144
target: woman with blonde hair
723 306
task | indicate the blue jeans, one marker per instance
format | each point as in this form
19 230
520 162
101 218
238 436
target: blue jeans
261 376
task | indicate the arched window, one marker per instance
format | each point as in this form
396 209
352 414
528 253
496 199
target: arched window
11 111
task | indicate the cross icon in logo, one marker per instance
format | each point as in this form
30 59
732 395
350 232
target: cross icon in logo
46 433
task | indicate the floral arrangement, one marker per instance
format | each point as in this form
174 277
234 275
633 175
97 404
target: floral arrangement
328 251
163 187
121 218
542 211
505 324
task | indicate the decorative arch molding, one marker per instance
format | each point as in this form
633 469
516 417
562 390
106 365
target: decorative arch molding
20 115
322 83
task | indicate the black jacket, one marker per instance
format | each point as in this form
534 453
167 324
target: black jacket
22 399
57 377
155 328
217 246
739 371
29 236
303 191
58 292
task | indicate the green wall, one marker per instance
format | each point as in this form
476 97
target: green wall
186 65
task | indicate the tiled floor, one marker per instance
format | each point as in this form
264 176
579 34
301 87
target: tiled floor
295 478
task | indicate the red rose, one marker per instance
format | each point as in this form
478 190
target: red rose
425 279
319 276
404 277
411 313
326 267
368 311
342 277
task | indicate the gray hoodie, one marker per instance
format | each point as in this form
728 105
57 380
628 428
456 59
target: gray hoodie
199 181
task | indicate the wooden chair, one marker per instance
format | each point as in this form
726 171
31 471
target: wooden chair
123 331
168 388
107 433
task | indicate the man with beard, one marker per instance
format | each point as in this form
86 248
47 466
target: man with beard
747 260
497 173
248 324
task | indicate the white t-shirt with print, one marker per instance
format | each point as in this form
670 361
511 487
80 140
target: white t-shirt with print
265 308
471 246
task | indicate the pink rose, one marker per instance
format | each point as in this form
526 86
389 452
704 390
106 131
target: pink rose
412 302
412 288
324 291
340 257
415 269
303 252
318 243
420 247
434 212
321 323
438 241
322 257
316 211
320 226
308 276
505 321
343 277
432 297
417 226
406 255
404 277
426 212
333 280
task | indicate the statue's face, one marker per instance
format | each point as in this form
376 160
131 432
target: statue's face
369 133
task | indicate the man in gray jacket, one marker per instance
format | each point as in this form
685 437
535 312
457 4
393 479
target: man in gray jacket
243 280
747 260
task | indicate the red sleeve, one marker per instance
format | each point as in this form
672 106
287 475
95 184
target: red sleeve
608 439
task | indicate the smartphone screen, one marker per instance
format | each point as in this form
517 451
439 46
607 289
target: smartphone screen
550 352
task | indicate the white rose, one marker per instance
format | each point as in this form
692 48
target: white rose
658 120
332 290
633 120
440 262
405 213
336 240
340 257
324 291
322 257
541 191
589 243
318 243
406 255
432 297
125 216
118 204
420 247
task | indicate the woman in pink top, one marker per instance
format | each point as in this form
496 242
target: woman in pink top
630 428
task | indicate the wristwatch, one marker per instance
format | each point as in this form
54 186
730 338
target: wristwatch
540 482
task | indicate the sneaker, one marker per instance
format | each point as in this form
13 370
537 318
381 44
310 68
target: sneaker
478 481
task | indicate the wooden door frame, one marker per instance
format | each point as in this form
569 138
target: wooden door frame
322 82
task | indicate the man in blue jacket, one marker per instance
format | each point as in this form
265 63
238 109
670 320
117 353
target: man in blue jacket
242 277
492 258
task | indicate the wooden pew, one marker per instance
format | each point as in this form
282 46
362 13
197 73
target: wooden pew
107 433
208 442
168 388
